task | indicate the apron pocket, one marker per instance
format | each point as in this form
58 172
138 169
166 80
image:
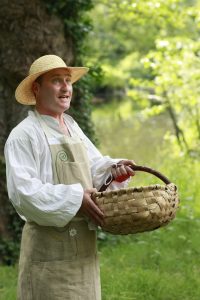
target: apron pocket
74 172
43 244
84 238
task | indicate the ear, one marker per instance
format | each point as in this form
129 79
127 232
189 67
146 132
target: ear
35 88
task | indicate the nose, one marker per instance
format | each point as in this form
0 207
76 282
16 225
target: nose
65 85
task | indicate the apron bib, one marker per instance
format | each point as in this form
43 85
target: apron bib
61 263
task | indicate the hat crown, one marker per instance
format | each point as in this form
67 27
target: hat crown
45 63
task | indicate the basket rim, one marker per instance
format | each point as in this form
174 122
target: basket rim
151 187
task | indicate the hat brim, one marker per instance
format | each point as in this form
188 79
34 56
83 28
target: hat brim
24 93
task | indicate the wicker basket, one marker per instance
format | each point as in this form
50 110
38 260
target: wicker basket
138 209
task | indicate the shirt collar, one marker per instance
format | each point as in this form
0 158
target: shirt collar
52 122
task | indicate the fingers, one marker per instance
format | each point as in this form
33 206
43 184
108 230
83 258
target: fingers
90 209
95 214
118 171
95 210
122 170
127 162
130 171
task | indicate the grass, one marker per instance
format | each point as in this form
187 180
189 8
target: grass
159 265
8 282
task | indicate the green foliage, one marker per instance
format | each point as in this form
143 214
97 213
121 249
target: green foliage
76 22
9 251
174 67
81 105
151 49
124 27
9 245
3 192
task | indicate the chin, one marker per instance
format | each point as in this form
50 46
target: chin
67 107
64 108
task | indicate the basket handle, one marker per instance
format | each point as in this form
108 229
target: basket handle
136 168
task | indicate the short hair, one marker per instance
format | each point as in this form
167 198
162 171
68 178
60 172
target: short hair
39 79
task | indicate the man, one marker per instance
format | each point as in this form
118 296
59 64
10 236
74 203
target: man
52 171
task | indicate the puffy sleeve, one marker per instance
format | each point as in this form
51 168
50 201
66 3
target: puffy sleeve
42 202
100 165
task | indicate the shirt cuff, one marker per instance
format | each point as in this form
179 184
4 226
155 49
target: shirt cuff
76 199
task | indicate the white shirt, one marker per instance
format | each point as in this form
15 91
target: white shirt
30 178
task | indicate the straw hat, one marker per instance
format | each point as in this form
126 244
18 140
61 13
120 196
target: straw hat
24 93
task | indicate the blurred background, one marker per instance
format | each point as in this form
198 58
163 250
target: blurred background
140 100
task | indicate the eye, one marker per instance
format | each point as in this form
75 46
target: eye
56 80
68 80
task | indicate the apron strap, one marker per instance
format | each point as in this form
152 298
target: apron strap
43 125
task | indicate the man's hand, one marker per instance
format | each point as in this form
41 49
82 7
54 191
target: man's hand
90 209
122 170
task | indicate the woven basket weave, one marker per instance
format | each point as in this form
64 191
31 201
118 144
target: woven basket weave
138 209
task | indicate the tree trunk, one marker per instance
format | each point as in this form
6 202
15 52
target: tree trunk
27 31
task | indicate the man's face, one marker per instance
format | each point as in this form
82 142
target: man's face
54 92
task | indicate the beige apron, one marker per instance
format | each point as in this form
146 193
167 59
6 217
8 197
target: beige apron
61 263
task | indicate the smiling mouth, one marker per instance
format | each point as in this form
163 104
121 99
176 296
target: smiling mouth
65 97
